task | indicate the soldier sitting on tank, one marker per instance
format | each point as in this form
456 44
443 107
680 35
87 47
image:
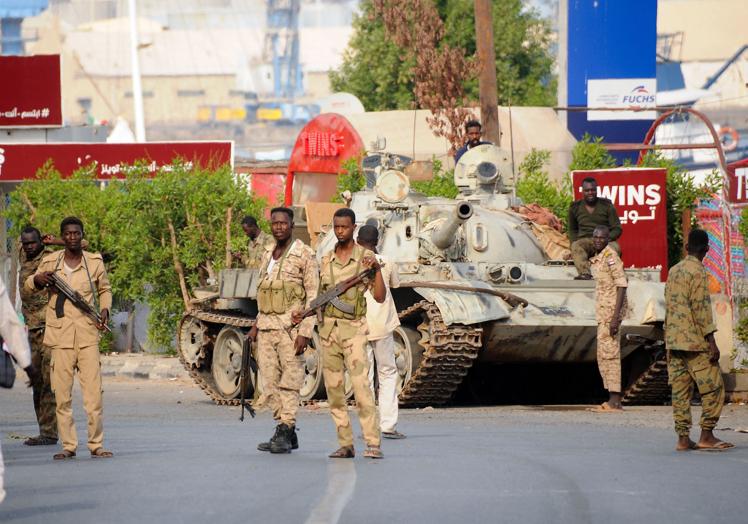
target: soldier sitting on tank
584 216
289 279
474 133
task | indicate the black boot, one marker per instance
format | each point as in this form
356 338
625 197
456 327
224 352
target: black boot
281 443
265 446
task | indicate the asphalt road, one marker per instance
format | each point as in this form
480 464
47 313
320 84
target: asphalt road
180 458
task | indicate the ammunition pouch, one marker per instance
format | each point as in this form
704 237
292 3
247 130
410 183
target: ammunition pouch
278 296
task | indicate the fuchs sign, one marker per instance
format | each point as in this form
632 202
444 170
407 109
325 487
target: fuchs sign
22 161
30 91
639 195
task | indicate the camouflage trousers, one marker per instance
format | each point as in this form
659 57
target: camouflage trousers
281 373
582 250
686 368
44 397
609 357
337 355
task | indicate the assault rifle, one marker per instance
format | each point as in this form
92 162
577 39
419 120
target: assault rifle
244 377
331 295
77 300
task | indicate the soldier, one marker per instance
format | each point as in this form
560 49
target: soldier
258 243
610 293
343 336
382 320
33 305
73 336
289 280
693 356
584 215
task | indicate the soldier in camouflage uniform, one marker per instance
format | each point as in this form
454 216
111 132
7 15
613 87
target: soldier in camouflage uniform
610 291
289 281
258 243
33 305
343 337
693 356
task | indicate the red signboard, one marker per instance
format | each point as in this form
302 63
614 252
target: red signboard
22 161
737 182
325 142
639 197
30 91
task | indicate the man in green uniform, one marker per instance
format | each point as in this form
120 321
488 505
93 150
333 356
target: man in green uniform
258 243
584 216
289 281
693 356
33 305
343 336
610 296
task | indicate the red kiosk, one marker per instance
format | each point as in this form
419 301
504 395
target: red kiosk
322 145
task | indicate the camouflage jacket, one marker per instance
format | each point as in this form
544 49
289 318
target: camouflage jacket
299 266
32 302
332 271
256 249
688 308
607 269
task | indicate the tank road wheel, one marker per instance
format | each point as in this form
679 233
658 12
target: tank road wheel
314 384
408 353
227 362
193 340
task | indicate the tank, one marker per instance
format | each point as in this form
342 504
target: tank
478 289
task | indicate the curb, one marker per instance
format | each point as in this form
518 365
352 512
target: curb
138 365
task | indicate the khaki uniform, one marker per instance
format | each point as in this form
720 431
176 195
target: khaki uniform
609 276
74 341
256 250
688 320
581 225
290 285
33 305
343 339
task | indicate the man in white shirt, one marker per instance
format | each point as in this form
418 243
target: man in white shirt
14 335
382 320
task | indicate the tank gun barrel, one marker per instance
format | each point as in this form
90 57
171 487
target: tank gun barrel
443 236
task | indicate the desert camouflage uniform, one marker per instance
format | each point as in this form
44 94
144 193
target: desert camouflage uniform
256 250
688 319
343 339
281 370
609 276
33 305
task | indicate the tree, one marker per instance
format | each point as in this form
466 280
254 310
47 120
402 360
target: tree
165 235
382 74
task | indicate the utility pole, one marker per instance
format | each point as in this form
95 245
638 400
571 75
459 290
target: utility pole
489 100
137 90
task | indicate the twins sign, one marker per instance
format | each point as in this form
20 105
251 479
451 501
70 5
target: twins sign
639 195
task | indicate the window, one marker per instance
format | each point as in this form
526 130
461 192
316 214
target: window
190 92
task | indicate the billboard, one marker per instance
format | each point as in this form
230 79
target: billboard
30 91
737 178
21 161
639 195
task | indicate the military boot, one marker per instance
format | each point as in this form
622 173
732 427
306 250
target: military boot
282 441
265 446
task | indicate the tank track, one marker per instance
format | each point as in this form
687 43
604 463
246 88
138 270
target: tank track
651 388
449 353
201 376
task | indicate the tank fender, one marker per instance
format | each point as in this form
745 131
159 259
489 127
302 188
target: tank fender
646 302
464 307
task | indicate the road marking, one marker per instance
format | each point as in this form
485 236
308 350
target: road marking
341 483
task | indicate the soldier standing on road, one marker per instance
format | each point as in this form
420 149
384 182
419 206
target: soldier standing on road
584 216
382 320
610 291
33 305
258 243
73 336
289 281
693 356
343 336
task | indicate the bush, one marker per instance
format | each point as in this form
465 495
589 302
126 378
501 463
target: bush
442 184
351 178
535 187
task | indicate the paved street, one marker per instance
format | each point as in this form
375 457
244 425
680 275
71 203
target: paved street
180 458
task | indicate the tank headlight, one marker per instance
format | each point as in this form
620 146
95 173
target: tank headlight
515 274
487 172
392 186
